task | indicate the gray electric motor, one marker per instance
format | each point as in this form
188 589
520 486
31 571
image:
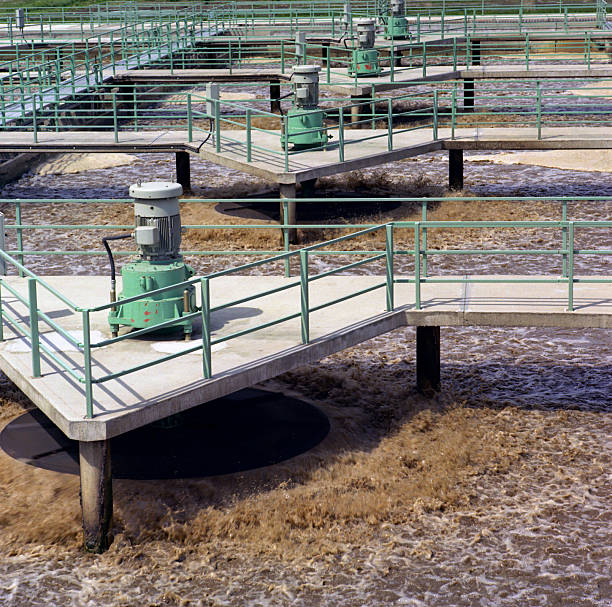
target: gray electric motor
397 8
157 219
305 79
366 33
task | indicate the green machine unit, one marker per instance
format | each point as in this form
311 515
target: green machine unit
396 27
305 127
364 59
158 236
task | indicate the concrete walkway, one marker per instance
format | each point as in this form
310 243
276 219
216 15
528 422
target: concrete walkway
342 83
139 398
363 147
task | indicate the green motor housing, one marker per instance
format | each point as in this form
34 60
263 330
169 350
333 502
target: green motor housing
299 120
396 28
364 62
141 276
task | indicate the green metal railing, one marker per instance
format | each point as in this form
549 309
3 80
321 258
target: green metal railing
441 17
391 235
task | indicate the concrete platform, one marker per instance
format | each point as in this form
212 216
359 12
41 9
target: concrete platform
269 163
306 165
342 83
139 398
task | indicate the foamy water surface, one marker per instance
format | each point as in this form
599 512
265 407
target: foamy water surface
525 520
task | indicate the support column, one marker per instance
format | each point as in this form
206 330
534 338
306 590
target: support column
275 105
428 360
455 169
397 59
325 53
96 494
468 94
288 190
183 170
476 52
357 111
308 188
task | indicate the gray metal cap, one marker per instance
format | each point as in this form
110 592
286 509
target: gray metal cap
306 69
154 190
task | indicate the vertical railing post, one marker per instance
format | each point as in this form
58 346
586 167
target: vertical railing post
435 115
217 125
589 50
87 364
189 119
248 135
3 249
424 60
282 51
115 125
539 109
373 107
570 269
454 111
424 218
417 265
389 258
18 219
34 337
34 119
206 354
285 141
389 124
304 299
285 229
341 133
564 237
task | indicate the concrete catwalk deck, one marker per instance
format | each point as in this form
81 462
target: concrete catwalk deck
268 160
341 82
145 396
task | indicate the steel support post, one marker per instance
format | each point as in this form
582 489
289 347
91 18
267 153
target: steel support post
468 94
96 494
275 105
397 58
183 170
288 190
428 360
455 169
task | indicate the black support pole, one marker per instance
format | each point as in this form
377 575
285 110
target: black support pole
455 169
308 188
183 170
428 360
475 52
275 105
468 94
96 494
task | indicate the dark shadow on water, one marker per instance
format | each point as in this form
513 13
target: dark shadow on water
245 430
311 211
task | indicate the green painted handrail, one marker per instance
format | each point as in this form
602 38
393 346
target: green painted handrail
419 252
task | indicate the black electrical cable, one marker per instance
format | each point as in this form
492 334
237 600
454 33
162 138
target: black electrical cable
210 130
280 107
111 259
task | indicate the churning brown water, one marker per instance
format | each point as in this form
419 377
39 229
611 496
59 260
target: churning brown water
496 493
